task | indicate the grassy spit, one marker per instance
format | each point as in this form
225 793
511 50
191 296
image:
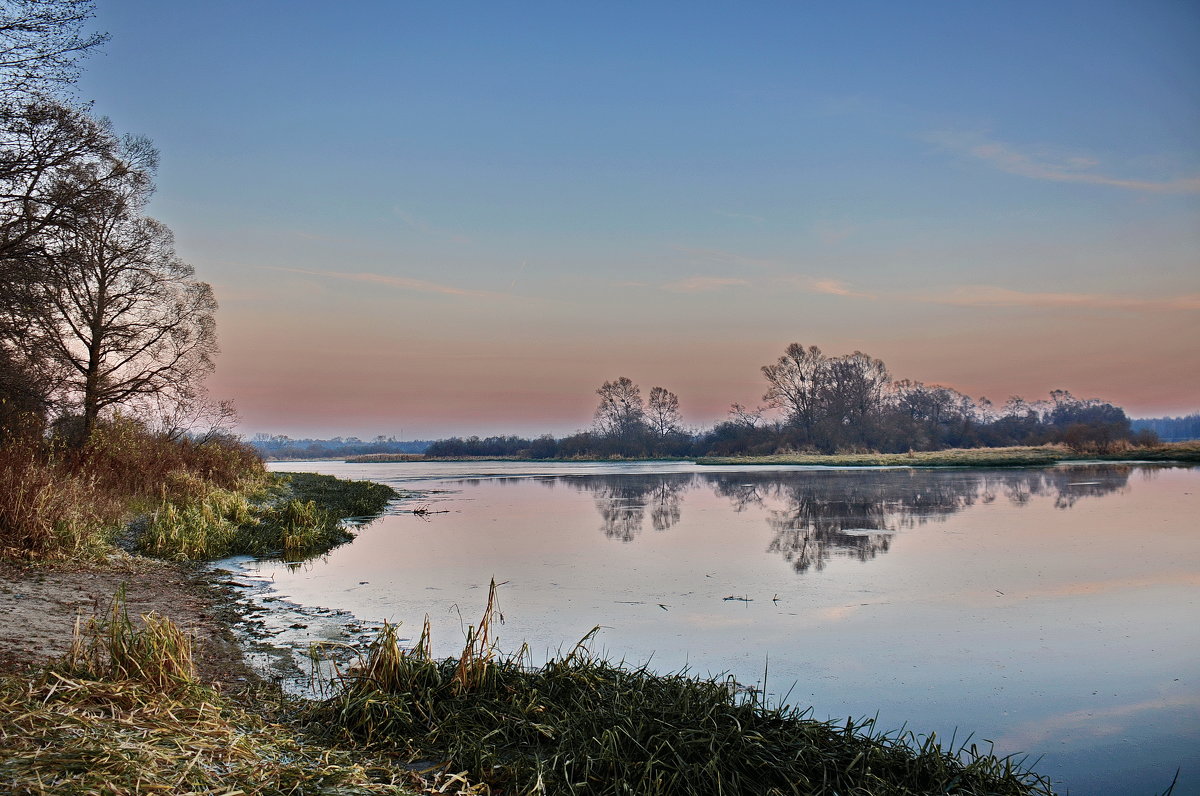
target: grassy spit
1187 452
290 515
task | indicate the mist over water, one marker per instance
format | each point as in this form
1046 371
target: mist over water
1048 610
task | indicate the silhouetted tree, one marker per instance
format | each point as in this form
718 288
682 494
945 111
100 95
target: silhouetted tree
621 417
795 384
122 314
662 414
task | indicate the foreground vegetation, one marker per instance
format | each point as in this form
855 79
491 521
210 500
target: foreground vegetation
292 515
124 712
580 724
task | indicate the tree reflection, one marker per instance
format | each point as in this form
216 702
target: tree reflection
816 515
623 500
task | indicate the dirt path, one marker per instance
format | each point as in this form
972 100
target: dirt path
39 606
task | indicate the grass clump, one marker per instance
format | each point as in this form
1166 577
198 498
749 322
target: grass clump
113 647
341 497
124 713
580 724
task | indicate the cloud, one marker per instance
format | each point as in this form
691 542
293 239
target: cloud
418 224
703 284
1060 168
826 286
835 287
402 282
992 296
832 233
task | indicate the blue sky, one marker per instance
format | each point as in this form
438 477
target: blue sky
462 218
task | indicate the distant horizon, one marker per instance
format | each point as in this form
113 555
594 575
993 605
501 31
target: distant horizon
403 435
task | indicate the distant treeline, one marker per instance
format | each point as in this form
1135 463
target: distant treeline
812 403
1171 429
277 446
824 404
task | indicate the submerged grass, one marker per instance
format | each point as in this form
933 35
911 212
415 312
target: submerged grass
580 724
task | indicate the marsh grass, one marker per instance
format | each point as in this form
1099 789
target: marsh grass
293 516
580 724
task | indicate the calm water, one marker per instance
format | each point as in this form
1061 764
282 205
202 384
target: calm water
1053 612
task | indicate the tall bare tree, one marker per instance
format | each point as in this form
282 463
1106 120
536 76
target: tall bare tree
622 412
795 384
662 413
123 314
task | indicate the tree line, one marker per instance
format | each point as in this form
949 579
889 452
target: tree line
1171 429
824 404
97 311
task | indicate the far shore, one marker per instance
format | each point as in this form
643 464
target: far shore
1043 456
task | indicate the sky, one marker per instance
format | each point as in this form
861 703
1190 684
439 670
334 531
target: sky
426 219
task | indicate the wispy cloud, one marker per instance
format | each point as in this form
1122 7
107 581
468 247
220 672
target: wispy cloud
703 284
992 296
825 285
402 282
418 224
1055 167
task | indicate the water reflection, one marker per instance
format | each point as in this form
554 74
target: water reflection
817 515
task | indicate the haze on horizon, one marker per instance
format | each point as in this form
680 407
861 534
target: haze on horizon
458 218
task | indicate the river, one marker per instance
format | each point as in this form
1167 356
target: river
1049 611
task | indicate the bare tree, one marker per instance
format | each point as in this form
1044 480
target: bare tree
41 43
795 384
122 313
662 413
622 412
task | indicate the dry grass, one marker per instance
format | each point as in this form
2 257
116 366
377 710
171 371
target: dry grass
123 713
60 503
294 516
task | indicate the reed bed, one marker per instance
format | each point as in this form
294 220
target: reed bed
580 724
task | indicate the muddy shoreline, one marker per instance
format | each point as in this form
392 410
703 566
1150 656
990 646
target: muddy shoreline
244 636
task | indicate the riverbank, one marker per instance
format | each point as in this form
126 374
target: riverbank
529 707
173 705
1041 456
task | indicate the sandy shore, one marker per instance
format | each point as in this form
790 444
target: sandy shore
39 606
